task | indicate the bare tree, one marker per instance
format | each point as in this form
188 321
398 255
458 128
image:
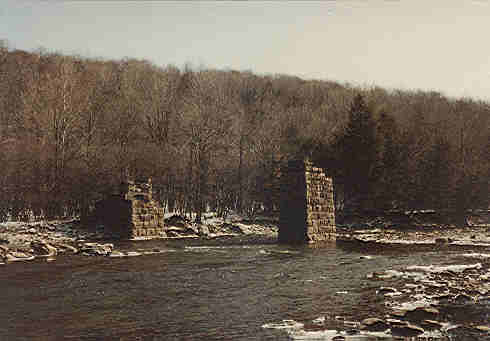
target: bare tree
53 103
205 122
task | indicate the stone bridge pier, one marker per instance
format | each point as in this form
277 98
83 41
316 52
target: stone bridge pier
307 211
131 212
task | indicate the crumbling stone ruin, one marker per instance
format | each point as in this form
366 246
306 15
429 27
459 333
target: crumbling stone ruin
307 206
131 212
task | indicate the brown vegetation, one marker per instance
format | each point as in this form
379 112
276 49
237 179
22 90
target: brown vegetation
72 128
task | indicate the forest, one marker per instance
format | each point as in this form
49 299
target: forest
72 128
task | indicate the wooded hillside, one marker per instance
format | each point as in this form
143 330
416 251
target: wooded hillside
72 128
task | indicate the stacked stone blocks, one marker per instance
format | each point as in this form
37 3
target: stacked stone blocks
307 207
132 212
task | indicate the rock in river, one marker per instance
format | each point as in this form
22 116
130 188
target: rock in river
43 249
422 313
407 330
374 324
3 251
483 329
386 290
95 249
431 324
18 257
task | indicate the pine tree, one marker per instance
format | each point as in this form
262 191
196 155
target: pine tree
438 175
388 171
358 157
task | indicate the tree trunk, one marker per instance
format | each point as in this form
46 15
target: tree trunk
240 177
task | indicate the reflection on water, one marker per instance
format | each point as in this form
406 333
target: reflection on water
197 292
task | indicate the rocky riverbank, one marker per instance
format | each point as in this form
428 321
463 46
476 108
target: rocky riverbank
417 302
436 301
46 240
426 302
422 301
49 239
416 232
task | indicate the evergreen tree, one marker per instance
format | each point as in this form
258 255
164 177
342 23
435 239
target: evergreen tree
438 175
388 166
358 157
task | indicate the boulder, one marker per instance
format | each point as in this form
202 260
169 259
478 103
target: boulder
3 247
172 234
458 332
396 322
462 298
483 329
65 247
230 228
352 331
203 230
374 324
386 290
338 338
431 324
407 330
422 313
95 249
18 256
177 221
43 249
3 251
179 231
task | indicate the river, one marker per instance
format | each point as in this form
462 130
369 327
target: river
191 291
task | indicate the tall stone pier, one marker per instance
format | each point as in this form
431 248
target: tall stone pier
307 207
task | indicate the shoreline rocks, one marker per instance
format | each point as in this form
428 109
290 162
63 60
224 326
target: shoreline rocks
437 300
95 249
41 240
477 237
46 240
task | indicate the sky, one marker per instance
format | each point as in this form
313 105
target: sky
407 44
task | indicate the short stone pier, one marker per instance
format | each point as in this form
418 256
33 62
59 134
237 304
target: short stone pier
307 208
131 212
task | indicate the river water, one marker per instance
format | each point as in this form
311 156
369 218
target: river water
195 292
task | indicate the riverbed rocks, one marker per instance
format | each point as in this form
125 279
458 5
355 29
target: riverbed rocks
3 252
21 241
213 227
43 249
439 298
96 249
386 291
421 313
393 326
374 324
418 238
177 221
18 256
431 324
427 302
406 330
29 241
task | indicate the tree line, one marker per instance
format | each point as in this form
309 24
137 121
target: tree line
73 128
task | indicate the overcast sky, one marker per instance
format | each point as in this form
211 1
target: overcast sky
410 44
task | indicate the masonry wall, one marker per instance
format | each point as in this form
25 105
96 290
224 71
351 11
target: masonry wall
307 209
146 218
131 212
